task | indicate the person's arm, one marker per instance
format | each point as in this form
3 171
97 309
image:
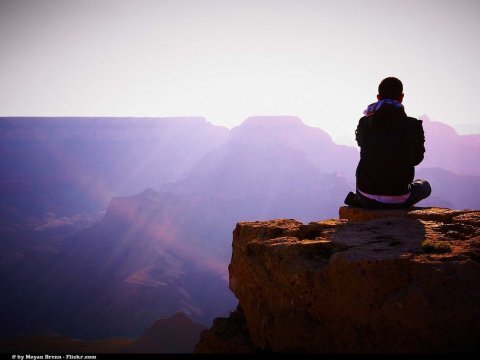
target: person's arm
359 132
419 143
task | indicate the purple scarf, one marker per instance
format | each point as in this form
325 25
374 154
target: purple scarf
372 108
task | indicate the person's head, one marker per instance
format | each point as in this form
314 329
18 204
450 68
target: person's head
390 88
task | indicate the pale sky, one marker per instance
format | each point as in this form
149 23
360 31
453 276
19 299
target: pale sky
227 60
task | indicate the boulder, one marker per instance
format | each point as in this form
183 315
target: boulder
369 282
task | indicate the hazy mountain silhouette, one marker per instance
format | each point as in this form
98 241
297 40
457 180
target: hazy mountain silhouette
71 165
451 190
56 174
315 143
446 149
114 278
177 334
268 158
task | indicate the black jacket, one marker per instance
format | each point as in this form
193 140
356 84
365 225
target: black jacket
391 144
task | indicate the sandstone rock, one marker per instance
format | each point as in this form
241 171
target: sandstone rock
367 284
227 335
434 214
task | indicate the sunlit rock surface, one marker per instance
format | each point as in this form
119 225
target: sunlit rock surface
371 281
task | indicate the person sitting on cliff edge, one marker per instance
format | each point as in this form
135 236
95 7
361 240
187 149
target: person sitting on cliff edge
391 145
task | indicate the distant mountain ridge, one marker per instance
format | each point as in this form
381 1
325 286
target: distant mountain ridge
177 334
446 149
316 144
89 160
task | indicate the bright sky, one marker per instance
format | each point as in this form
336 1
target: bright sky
227 60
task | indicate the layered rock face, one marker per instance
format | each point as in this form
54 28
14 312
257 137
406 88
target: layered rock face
371 281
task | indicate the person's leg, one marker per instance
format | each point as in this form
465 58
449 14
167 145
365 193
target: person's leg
367 203
419 190
371 204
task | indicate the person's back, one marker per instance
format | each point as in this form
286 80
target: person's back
391 144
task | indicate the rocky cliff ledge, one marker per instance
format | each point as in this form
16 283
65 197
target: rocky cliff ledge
371 281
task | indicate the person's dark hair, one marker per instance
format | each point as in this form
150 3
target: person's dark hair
390 88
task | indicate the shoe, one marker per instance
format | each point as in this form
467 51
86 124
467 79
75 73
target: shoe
351 200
